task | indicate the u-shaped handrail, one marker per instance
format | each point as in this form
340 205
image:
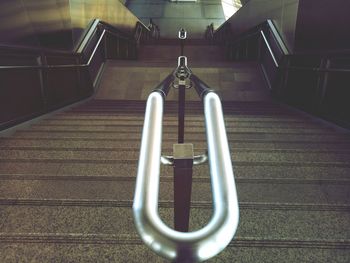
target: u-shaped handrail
217 234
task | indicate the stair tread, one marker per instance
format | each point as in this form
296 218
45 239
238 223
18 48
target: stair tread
109 220
257 170
127 153
20 142
50 248
67 182
274 190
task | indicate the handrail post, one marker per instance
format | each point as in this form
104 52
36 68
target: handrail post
183 163
183 153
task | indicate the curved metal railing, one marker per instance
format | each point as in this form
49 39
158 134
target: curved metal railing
217 234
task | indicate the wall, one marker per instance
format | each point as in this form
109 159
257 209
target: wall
171 16
57 24
34 22
51 21
323 25
16 26
110 11
254 12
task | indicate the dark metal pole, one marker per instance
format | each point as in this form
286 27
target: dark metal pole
182 46
182 37
183 153
183 163
181 114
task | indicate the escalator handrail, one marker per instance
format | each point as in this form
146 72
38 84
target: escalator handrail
217 234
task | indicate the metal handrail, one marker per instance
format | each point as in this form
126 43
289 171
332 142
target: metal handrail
286 52
217 234
85 38
274 32
59 66
87 64
326 70
197 159
269 48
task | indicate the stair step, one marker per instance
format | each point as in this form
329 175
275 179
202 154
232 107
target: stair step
172 120
121 188
74 247
167 52
140 105
119 104
171 105
67 183
173 129
189 137
68 123
188 118
46 169
193 111
22 143
265 221
128 153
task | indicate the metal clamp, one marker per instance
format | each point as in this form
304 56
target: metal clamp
182 73
168 160
182 33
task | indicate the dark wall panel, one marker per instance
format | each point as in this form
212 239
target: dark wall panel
16 27
323 25
20 94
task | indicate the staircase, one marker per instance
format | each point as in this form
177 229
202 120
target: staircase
67 182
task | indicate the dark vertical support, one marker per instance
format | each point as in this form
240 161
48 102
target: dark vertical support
41 60
183 153
182 42
127 49
44 73
183 163
260 43
323 84
182 37
181 114
118 48
80 84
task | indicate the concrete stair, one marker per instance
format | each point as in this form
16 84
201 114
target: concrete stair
67 185
67 182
